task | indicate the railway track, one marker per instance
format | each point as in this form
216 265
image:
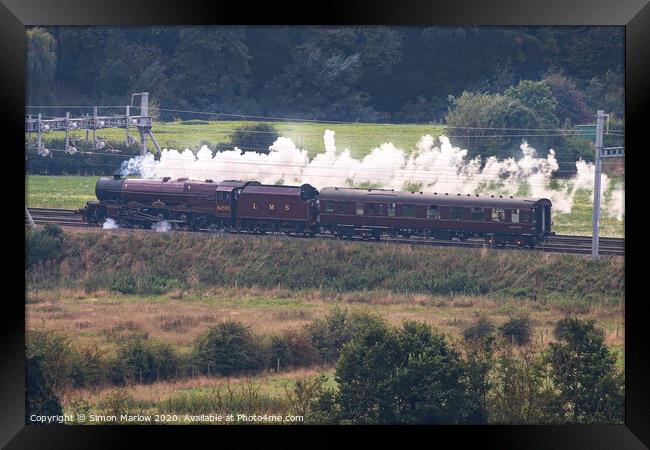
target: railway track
553 244
63 217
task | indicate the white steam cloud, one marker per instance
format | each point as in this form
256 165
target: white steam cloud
430 168
110 224
161 227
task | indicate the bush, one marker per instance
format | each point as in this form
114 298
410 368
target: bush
480 330
89 366
293 348
329 334
229 348
44 244
145 361
53 353
253 138
517 330
40 398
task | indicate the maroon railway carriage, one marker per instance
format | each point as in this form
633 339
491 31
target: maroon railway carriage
278 208
372 212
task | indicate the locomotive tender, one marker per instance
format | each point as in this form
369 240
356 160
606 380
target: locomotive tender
343 212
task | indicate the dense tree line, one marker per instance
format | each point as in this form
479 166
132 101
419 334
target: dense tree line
399 74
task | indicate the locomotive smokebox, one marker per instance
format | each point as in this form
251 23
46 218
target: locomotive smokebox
109 189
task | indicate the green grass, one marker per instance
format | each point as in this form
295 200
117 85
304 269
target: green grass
359 138
59 191
139 263
578 221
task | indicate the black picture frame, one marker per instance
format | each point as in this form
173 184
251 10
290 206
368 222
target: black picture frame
633 14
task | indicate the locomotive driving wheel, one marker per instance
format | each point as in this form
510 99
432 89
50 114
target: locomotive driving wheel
186 222
99 215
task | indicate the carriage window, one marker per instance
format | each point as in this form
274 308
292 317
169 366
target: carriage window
433 212
359 209
223 196
372 209
339 207
477 214
514 217
456 212
408 211
391 209
498 214
329 207
524 217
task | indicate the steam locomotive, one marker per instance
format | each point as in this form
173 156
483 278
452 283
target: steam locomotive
303 210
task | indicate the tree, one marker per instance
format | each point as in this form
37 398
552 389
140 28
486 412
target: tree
479 342
409 375
538 97
583 371
254 138
41 66
517 394
430 381
481 120
607 92
364 374
211 67
321 85
570 101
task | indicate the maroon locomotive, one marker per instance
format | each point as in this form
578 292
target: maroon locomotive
343 212
239 205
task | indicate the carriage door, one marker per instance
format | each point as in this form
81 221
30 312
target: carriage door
382 211
541 219
371 209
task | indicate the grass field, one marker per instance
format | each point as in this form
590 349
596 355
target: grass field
359 138
68 192
105 318
102 320
103 289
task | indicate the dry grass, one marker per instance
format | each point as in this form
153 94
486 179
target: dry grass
104 319
269 383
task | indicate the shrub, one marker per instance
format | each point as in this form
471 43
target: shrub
51 357
329 334
253 138
480 330
229 348
89 366
39 396
517 330
304 398
292 348
44 244
146 361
